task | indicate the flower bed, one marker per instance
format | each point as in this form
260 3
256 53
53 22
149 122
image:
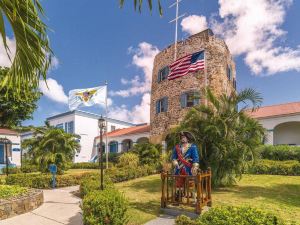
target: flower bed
19 200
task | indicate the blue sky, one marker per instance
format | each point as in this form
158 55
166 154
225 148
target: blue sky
95 41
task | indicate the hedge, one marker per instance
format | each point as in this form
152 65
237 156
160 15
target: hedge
291 168
105 207
7 191
44 180
230 215
88 165
280 152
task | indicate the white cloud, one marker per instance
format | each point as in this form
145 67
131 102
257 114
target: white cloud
143 59
194 24
54 63
138 114
4 60
252 28
54 91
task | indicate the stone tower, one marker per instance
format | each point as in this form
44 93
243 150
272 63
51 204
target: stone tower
171 99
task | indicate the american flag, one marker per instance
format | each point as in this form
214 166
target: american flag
189 63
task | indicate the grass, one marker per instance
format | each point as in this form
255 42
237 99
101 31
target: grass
8 191
277 194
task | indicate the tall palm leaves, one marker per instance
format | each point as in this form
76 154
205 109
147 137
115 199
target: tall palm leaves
33 54
228 137
51 145
138 4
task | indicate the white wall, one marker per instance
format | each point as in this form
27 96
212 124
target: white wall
287 134
16 140
270 124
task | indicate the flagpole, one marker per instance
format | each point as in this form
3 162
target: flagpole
205 77
106 125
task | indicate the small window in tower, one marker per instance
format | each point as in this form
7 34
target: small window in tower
229 72
163 74
162 105
234 83
190 99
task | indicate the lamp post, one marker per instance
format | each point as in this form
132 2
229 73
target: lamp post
101 124
7 145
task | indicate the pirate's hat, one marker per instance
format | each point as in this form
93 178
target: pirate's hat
188 135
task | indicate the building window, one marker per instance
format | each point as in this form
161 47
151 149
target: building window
113 147
162 105
70 127
60 126
229 72
112 128
190 99
163 74
234 83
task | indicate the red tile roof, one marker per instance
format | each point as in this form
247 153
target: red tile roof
129 130
276 110
8 131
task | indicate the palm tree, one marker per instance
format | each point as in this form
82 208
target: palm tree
228 137
51 145
138 4
33 53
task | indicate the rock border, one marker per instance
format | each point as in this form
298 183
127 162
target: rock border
21 204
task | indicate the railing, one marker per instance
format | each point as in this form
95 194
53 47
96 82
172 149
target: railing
193 191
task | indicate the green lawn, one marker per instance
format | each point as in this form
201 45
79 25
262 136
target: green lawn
277 194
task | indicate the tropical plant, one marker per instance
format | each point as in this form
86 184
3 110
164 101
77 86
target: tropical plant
138 4
51 145
228 138
33 54
14 109
148 153
128 160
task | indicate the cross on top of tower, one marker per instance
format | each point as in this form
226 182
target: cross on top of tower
176 24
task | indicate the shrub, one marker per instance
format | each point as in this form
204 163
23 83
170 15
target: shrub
88 165
280 152
229 215
127 173
148 153
44 180
105 207
128 160
29 168
7 191
291 168
92 183
84 165
11 170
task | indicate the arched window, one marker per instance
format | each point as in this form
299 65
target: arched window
113 146
163 74
127 145
189 99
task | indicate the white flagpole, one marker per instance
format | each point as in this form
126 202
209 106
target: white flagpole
205 76
106 126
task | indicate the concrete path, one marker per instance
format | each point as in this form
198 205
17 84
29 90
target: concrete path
162 220
60 207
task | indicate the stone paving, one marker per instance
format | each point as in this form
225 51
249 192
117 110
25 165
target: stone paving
60 207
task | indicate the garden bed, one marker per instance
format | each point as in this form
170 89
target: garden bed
16 200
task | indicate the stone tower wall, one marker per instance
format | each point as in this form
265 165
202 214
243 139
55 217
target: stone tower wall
217 57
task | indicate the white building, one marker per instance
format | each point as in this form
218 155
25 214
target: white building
14 153
122 140
85 125
282 123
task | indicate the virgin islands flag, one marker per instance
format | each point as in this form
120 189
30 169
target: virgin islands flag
87 97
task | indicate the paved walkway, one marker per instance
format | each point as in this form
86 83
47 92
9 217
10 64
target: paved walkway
60 207
162 220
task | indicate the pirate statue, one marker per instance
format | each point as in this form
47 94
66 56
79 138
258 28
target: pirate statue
185 157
